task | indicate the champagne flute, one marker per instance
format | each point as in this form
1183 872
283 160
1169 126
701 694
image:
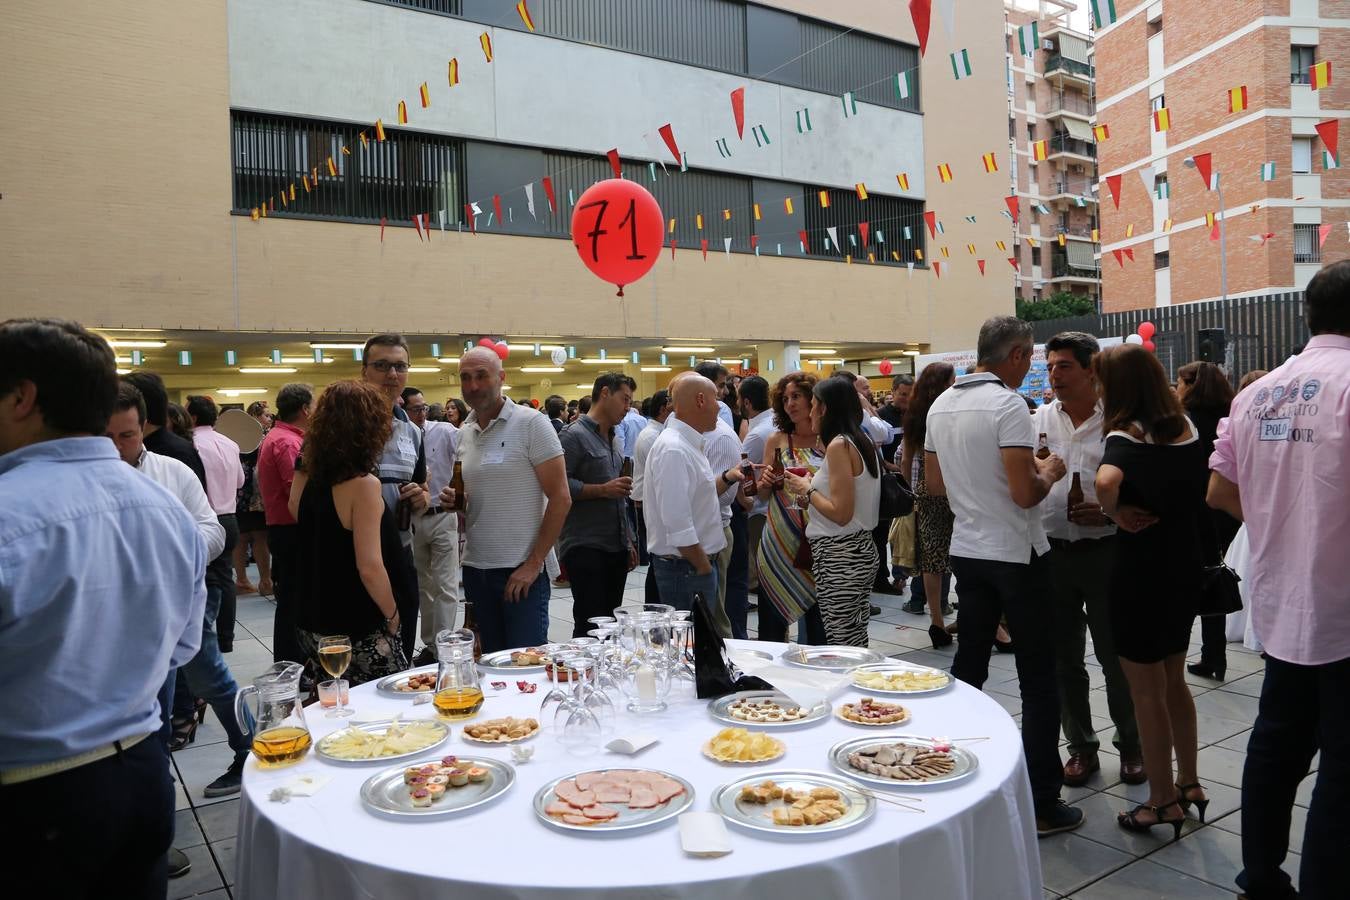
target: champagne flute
335 655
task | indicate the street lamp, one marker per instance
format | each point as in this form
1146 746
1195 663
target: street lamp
1189 162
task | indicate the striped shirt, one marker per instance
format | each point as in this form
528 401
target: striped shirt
505 501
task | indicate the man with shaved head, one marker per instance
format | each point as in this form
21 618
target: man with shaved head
517 497
684 523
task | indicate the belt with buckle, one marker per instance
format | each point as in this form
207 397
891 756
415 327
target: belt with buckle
434 510
42 770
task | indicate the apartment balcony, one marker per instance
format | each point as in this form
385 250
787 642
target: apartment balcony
1067 193
1075 232
1061 69
1068 147
1062 271
1075 105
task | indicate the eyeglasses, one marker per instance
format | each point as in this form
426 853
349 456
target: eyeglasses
417 409
383 365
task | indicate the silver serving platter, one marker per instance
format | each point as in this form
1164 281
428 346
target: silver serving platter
501 661
719 709
831 658
757 654
388 684
628 819
758 816
966 761
378 728
893 667
386 794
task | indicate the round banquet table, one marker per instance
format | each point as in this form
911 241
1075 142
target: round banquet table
976 839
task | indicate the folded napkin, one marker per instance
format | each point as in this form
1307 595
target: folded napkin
300 786
704 834
807 688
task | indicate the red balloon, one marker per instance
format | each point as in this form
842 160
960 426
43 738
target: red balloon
617 230
486 342
1150 346
1146 330
885 367
502 350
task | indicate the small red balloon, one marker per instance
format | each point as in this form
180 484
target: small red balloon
1146 330
885 367
501 350
617 230
1149 345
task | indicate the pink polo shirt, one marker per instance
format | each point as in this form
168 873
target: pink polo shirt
224 471
276 470
1286 446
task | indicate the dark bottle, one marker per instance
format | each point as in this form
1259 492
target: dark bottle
472 626
626 470
1043 446
1075 494
457 484
776 470
751 489
403 510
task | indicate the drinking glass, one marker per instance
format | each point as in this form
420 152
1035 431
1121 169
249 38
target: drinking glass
555 693
335 655
647 662
577 721
682 633
589 693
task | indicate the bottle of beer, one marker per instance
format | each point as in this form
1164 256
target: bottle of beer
457 483
626 469
1075 494
1043 446
777 470
403 510
471 625
751 489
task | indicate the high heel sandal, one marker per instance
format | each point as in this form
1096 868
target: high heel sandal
939 636
1185 802
185 730
1130 820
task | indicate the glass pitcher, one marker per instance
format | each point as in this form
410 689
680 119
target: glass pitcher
280 735
648 662
459 692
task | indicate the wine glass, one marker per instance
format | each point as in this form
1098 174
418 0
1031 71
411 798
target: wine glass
335 655
682 633
555 693
579 717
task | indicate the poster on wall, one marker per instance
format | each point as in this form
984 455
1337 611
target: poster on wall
1037 383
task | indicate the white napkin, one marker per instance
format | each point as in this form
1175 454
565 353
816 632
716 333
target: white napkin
704 834
807 688
631 744
300 786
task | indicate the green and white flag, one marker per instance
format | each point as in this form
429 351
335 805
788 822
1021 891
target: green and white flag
185 357
761 136
1268 171
1079 202
961 64
231 357
318 353
723 149
902 85
1029 39
276 357
1329 162
1103 6
1163 191
803 121
850 104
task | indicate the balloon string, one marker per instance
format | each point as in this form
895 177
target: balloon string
620 293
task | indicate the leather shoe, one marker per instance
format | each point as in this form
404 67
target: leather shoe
1132 769
1079 768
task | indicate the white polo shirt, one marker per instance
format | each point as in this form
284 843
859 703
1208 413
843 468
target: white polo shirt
1081 449
723 450
968 426
681 507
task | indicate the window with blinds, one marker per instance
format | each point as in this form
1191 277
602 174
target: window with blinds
1305 244
886 218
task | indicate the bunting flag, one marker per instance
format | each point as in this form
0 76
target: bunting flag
833 232
980 263
787 205
1012 207
1319 75
961 64
382 224
284 204
1101 133
1237 98
684 162
529 200
673 243
614 163
881 237
672 226
1017 267
726 215
1162 119
1214 232
758 215
497 206
1129 230
418 225
901 83
990 161
824 199
723 149
485 41
1167 225
1040 150
1329 132
940 229
726 244
379 130
402 112
937 269
970 219
761 136
1204 166
803 121
1120 257
365 141
1329 162
930 219
453 75
1261 238
1096 235
1103 12
425 93
850 104
903 180
862 231
668 135
524 12
698 221
1113 184
346 151
1001 245
1042 209
1163 191
738 111
1209 220
1146 176
332 168
1080 202
1029 39
909 234
1267 171
970 248
1322 232
944 173
918 254
548 192
861 189
292 190
1255 208
1061 239
801 236
921 11
254 215
1033 243
1129 253
754 243
946 253
703 245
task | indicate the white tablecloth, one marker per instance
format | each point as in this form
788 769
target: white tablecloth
976 839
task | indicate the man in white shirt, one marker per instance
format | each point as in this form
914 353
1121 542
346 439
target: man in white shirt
979 453
680 503
660 411
435 543
723 450
1082 553
755 409
224 478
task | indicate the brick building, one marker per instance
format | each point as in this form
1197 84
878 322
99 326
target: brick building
1168 56
1051 101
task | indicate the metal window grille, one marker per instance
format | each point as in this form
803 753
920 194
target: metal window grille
835 61
1162 259
1305 244
889 215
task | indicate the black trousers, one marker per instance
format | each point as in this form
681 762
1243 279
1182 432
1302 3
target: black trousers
1213 642
220 579
881 538
738 573
406 600
285 569
772 626
101 830
1303 710
597 578
989 590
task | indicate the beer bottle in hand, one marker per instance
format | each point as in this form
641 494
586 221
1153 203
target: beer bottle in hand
1043 446
751 489
1075 494
777 470
457 484
626 468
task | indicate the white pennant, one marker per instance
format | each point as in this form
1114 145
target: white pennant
1146 176
910 266
529 199
833 232
441 213
948 10
727 243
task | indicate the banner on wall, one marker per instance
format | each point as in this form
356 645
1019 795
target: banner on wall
1037 383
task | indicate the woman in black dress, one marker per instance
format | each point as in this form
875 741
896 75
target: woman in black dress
347 543
1206 394
1152 482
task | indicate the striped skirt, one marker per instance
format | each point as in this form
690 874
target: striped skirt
844 567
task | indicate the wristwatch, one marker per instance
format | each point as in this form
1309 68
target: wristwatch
806 498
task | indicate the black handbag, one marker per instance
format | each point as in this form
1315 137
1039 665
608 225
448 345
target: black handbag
897 499
1219 593
715 675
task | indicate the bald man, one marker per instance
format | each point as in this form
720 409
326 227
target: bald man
680 506
515 485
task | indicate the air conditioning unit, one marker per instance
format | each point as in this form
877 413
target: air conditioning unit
1047 44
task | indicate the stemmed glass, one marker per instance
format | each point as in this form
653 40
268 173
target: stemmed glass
555 693
682 633
578 724
335 655
587 691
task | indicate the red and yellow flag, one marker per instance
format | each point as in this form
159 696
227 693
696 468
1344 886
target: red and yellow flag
1162 119
672 226
946 253
1040 150
944 173
787 205
990 161
861 189
1319 74
1001 245
254 214
918 254
485 40
454 71
283 199
524 12
758 216
1209 220
379 130
698 221
305 180
1096 236
426 95
332 167
970 248
292 190
264 210
726 215
1129 230
1032 241
346 151
1101 132
903 179
1061 239
402 112
1167 225
824 199
1237 99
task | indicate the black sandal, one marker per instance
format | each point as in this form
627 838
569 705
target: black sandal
1185 802
185 730
1130 820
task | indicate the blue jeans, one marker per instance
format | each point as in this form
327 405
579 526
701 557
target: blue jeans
677 583
738 573
207 677
503 625
918 594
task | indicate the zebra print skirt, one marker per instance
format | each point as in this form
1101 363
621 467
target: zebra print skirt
844 567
